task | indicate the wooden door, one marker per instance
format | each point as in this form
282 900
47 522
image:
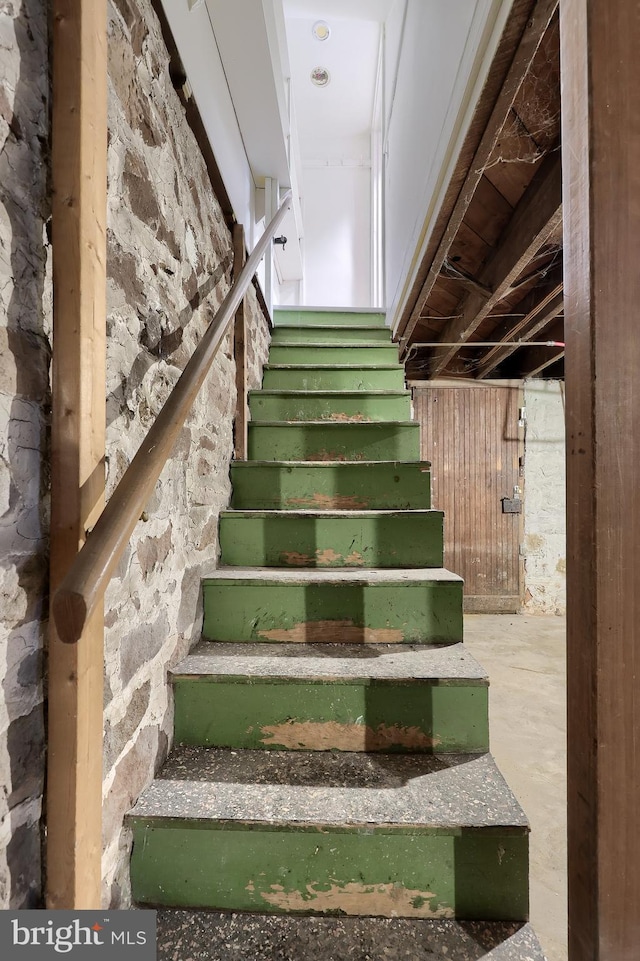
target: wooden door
472 437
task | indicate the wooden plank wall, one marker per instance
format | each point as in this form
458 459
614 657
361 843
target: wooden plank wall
471 437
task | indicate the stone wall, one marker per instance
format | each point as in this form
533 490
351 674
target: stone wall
25 314
169 263
544 498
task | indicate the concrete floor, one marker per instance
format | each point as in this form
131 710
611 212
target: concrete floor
524 656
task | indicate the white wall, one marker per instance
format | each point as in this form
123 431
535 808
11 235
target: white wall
238 77
443 52
544 498
196 43
334 132
337 252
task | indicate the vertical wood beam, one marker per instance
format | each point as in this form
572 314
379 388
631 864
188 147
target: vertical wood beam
79 157
239 348
601 151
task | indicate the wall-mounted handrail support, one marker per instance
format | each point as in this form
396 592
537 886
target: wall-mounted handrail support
87 579
240 438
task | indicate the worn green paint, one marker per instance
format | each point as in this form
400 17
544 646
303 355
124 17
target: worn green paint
339 485
234 712
325 334
252 610
296 441
278 377
471 874
389 539
268 405
280 865
332 318
361 355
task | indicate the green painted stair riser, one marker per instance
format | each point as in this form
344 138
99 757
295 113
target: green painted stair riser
392 613
420 717
358 356
331 318
334 441
330 335
401 539
333 406
337 486
278 377
380 872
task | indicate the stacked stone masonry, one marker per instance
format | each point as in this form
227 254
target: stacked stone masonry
169 265
25 350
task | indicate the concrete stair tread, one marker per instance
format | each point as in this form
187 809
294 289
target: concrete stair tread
330 393
310 344
326 662
351 514
381 425
349 790
333 367
334 575
345 316
329 465
204 935
340 327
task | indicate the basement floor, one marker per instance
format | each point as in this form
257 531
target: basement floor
525 658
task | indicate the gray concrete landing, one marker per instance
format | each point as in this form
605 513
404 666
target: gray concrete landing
524 656
211 936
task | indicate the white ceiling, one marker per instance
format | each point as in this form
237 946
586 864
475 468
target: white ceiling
334 122
339 9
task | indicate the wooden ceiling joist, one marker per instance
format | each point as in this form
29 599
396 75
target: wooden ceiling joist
535 220
533 360
551 359
531 324
531 38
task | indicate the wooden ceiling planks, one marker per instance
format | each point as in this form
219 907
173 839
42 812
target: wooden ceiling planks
501 248
525 30
534 220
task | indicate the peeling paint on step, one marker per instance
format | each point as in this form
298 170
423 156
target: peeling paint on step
297 735
344 418
330 501
355 559
322 558
343 631
379 900
327 557
323 455
295 559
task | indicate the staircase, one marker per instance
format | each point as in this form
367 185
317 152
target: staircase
331 732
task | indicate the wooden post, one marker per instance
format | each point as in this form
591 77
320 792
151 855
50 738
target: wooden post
600 41
241 418
79 140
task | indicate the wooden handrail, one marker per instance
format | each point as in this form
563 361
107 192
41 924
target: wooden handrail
86 580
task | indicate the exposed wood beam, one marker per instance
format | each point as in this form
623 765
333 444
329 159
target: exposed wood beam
535 29
601 146
532 360
535 219
543 364
526 329
79 172
456 274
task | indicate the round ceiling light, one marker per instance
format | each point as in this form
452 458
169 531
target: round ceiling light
321 30
320 76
